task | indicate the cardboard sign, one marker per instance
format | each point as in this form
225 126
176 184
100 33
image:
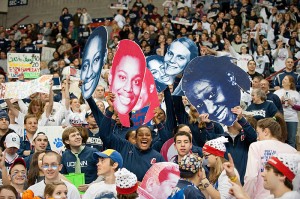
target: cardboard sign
54 134
23 63
126 78
179 54
47 54
213 85
168 150
159 181
11 90
94 54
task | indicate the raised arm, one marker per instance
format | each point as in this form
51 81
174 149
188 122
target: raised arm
50 105
171 119
11 107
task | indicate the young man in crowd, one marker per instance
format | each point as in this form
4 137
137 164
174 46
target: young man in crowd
40 143
18 175
12 145
191 175
78 158
109 161
51 164
183 144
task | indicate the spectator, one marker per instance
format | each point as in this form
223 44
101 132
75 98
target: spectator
77 158
191 173
18 175
270 132
109 161
51 165
289 70
65 18
265 86
289 96
260 107
55 190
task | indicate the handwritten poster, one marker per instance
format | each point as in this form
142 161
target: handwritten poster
23 63
11 90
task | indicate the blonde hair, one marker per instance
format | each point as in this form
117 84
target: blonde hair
215 171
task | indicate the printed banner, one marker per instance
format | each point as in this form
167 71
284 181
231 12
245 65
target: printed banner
11 90
23 63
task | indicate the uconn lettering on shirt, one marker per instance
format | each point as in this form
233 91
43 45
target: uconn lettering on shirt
92 140
82 164
259 113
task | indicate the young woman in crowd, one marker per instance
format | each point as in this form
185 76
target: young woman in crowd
289 97
270 133
217 184
35 173
56 190
36 107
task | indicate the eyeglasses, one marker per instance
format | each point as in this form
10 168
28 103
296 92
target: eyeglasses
52 166
206 156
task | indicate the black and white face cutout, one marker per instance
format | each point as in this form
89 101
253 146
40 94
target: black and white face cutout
93 60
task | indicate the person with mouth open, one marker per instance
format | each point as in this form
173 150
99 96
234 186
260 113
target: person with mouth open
137 158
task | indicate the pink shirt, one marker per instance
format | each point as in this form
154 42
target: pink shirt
258 155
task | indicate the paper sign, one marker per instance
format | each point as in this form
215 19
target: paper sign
213 85
23 63
168 150
11 90
126 78
47 54
54 134
159 181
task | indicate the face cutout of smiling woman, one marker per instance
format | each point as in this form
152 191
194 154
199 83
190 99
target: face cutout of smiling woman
126 78
93 60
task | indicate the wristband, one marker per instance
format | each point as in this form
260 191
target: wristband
233 179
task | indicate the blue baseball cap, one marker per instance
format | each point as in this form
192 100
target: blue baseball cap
112 154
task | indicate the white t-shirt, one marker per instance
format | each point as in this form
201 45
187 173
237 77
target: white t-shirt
38 190
279 61
74 118
57 115
290 115
100 189
260 62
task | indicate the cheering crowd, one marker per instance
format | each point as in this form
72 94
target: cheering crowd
256 157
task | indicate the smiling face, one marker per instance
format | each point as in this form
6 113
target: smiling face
31 125
51 167
157 69
75 139
176 58
143 138
127 83
211 99
18 175
91 68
